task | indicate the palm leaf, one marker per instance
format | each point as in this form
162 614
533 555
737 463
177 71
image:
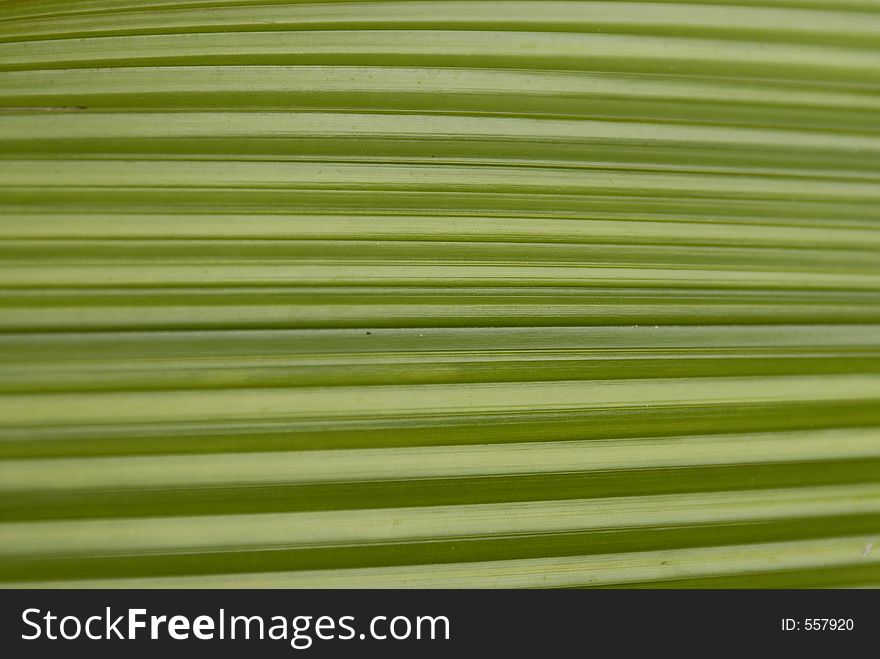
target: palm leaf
439 294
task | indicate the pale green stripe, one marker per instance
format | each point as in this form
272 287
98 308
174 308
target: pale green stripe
85 7
125 225
423 400
538 573
648 54
574 16
352 80
219 532
294 175
518 342
159 125
273 468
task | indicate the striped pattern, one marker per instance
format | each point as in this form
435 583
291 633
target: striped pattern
439 294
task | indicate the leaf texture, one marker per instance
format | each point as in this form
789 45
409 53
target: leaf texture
439 294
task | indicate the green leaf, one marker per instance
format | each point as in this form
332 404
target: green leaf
439 294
